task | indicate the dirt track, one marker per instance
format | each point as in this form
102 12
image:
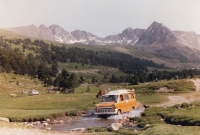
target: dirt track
187 98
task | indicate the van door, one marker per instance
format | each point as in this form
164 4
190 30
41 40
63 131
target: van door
132 100
121 104
128 103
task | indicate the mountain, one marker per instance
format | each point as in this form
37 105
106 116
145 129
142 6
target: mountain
190 39
61 35
157 39
158 33
128 36
41 32
86 37
58 34
163 42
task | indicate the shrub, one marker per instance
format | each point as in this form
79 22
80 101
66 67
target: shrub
185 105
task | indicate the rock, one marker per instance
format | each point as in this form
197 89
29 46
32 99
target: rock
121 120
113 127
48 120
119 124
13 95
69 118
78 129
125 118
29 125
48 128
130 124
37 122
60 122
45 124
147 125
55 122
4 119
34 123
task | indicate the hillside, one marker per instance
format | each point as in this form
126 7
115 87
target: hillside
163 42
165 45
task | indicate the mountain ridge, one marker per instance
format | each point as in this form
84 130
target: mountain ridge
156 39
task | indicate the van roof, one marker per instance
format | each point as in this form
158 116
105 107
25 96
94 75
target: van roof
118 92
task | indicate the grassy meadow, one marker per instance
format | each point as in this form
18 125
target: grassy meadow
45 105
48 105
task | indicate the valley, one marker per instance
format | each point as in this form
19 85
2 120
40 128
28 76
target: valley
153 61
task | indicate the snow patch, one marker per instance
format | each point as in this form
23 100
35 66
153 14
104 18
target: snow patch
136 41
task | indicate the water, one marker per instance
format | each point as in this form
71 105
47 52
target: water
87 122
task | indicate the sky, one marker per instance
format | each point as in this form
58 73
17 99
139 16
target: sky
101 17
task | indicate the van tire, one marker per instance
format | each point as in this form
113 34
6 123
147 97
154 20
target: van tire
133 108
118 112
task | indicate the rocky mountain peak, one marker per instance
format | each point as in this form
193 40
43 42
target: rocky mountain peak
42 26
83 35
157 32
56 29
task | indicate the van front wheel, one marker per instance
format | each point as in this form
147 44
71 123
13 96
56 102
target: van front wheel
118 112
133 109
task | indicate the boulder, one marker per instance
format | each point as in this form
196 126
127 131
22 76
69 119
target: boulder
48 120
114 126
55 122
45 124
29 125
13 95
4 119
60 122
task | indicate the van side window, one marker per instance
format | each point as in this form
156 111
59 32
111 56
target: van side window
130 95
126 96
121 98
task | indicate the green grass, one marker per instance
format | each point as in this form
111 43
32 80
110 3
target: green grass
177 85
88 71
152 99
154 129
166 129
45 104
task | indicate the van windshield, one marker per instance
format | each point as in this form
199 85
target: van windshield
109 98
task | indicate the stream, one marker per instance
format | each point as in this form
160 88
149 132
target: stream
93 121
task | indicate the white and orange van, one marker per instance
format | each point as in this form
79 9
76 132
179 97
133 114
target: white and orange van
116 102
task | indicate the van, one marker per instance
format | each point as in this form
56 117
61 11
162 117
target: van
116 102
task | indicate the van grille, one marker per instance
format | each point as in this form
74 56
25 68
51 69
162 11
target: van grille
103 110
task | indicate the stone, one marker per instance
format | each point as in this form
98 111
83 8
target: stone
147 125
119 124
125 118
4 119
48 128
34 123
48 120
55 121
60 121
113 127
37 122
29 125
45 124
78 129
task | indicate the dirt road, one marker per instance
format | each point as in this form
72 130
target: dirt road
187 98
